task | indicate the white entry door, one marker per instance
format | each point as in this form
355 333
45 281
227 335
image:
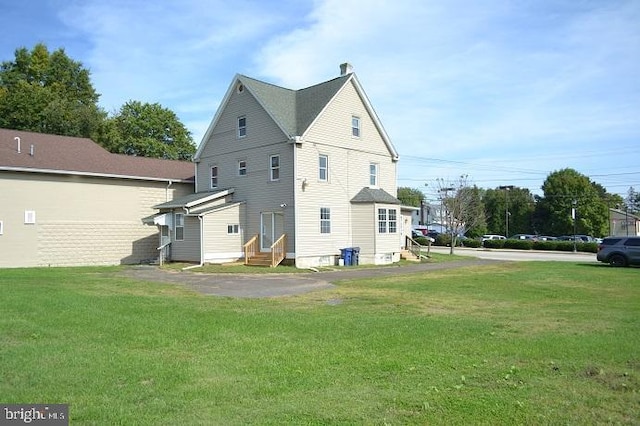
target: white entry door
272 227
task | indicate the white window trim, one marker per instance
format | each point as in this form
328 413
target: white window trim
241 131
326 168
375 175
211 185
233 229
387 221
1 227
272 168
177 225
325 220
357 128
240 168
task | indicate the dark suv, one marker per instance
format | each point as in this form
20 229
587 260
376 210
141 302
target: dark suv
619 251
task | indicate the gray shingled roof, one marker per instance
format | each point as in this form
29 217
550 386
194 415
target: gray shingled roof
294 110
372 195
193 199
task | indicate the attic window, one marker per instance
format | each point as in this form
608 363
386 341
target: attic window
242 127
240 88
355 126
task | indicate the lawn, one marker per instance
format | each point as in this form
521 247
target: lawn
513 343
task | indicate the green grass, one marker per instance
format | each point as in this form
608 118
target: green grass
517 343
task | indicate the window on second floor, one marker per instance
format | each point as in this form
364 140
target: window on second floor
323 168
214 177
233 229
242 126
373 174
274 167
242 168
355 126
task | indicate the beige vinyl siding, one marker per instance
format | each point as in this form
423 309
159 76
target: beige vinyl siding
364 235
79 220
264 138
388 242
219 244
348 173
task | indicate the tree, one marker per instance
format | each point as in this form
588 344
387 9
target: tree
632 202
48 93
147 130
564 191
463 206
410 196
518 204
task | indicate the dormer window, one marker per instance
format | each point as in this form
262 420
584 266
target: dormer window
242 126
355 126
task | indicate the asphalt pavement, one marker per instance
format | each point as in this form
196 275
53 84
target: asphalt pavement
275 285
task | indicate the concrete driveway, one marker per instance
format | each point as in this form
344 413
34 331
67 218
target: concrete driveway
274 285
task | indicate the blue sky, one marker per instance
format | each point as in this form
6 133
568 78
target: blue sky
504 91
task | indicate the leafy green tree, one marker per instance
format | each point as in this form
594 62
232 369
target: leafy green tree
147 130
410 196
518 204
48 93
565 190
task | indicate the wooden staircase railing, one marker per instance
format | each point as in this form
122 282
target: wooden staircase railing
279 250
415 248
250 249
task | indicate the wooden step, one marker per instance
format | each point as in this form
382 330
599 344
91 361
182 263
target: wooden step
407 255
260 259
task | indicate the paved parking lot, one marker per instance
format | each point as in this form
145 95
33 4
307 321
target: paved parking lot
274 285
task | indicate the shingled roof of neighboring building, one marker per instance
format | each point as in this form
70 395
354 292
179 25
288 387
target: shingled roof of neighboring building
45 153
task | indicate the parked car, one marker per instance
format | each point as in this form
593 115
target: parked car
619 251
546 238
523 237
493 237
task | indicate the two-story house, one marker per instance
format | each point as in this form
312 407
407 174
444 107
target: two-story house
303 172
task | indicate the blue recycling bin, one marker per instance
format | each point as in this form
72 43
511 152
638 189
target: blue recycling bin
355 255
346 255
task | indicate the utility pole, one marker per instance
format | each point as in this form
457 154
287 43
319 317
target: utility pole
449 218
506 189
573 215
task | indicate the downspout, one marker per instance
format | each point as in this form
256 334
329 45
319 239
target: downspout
295 199
166 193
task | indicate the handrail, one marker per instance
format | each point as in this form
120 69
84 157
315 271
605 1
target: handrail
250 249
415 248
279 250
164 243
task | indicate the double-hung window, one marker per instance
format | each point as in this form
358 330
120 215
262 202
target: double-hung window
274 167
214 177
242 126
373 174
325 220
387 221
355 126
179 227
323 168
242 168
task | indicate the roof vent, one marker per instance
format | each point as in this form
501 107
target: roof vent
346 68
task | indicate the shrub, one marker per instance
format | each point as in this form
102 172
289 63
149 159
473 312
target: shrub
423 241
443 240
494 244
471 243
545 245
588 247
565 245
518 244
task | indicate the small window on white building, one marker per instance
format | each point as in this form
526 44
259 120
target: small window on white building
323 168
242 168
179 226
373 174
355 126
29 217
325 220
1 227
387 221
274 167
382 221
393 221
214 177
233 229
242 127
